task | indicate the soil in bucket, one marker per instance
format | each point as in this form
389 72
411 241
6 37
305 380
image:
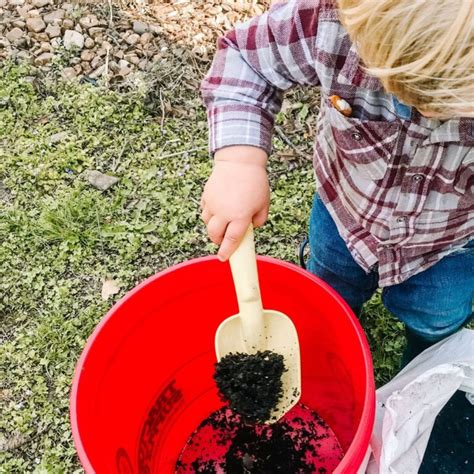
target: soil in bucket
235 440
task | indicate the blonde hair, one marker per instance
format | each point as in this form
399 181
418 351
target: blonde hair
421 50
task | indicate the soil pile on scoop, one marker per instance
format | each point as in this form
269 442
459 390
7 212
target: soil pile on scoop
251 383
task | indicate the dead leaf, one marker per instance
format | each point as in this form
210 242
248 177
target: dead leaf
109 288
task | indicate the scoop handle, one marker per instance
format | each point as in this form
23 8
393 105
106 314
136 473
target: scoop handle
243 263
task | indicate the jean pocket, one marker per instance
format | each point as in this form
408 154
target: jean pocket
363 146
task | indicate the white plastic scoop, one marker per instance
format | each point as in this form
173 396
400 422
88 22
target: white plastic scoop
256 329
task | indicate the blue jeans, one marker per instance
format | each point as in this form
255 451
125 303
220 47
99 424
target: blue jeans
433 304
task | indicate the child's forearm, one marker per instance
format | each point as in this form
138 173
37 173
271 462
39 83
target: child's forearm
242 154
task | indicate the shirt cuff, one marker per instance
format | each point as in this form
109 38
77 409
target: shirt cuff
239 124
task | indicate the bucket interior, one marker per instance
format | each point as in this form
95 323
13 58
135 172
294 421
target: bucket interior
144 381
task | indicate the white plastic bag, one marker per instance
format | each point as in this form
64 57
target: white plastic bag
408 405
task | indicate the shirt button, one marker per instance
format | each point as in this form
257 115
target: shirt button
417 178
357 136
401 220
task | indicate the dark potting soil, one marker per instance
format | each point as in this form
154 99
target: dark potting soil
251 383
299 443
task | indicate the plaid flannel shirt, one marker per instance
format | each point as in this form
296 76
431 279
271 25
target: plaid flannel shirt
399 186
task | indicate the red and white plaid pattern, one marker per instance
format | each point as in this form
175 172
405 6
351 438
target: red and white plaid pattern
400 191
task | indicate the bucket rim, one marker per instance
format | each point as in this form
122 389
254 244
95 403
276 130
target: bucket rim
364 430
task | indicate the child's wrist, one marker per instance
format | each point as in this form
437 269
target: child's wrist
243 154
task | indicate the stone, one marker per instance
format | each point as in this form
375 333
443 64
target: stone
95 31
40 36
40 3
46 47
78 28
119 54
55 16
132 39
89 21
143 65
3 3
96 62
16 3
146 38
43 59
100 180
89 43
33 12
101 52
113 66
55 43
124 71
68 7
139 27
23 10
4 42
132 58
97 72
58 137
156 29
78 69
14 35
68 24
123 63
68 73
35 24
19 24
73 39
53 31
87 55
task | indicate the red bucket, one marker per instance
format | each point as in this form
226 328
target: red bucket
144 380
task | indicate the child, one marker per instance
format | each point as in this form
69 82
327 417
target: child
394 159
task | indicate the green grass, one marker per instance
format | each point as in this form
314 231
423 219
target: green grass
60 238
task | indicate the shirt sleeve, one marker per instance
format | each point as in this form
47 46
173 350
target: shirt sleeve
253 65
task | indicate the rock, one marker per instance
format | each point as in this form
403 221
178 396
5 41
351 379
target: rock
35 24
68 73
143 65
16 3
156 29
33 12
40 3
89 43
119 54
73 39
96 62
113 66
46 47
53 31
55 43
68 24
146 38
86 67
23 11
132 39
132 58
43 59
87 55
4 42
14 35
97 73
19 24
139 27
99 180
123 64
78 69
68 7
78 28
58 137
75 61
95 31
55 16
40 36
124 71
3 3
89 21
101 52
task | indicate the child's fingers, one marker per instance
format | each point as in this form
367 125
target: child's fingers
260 218
216 229
206 216
233 235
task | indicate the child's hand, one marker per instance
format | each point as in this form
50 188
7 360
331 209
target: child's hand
236 194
